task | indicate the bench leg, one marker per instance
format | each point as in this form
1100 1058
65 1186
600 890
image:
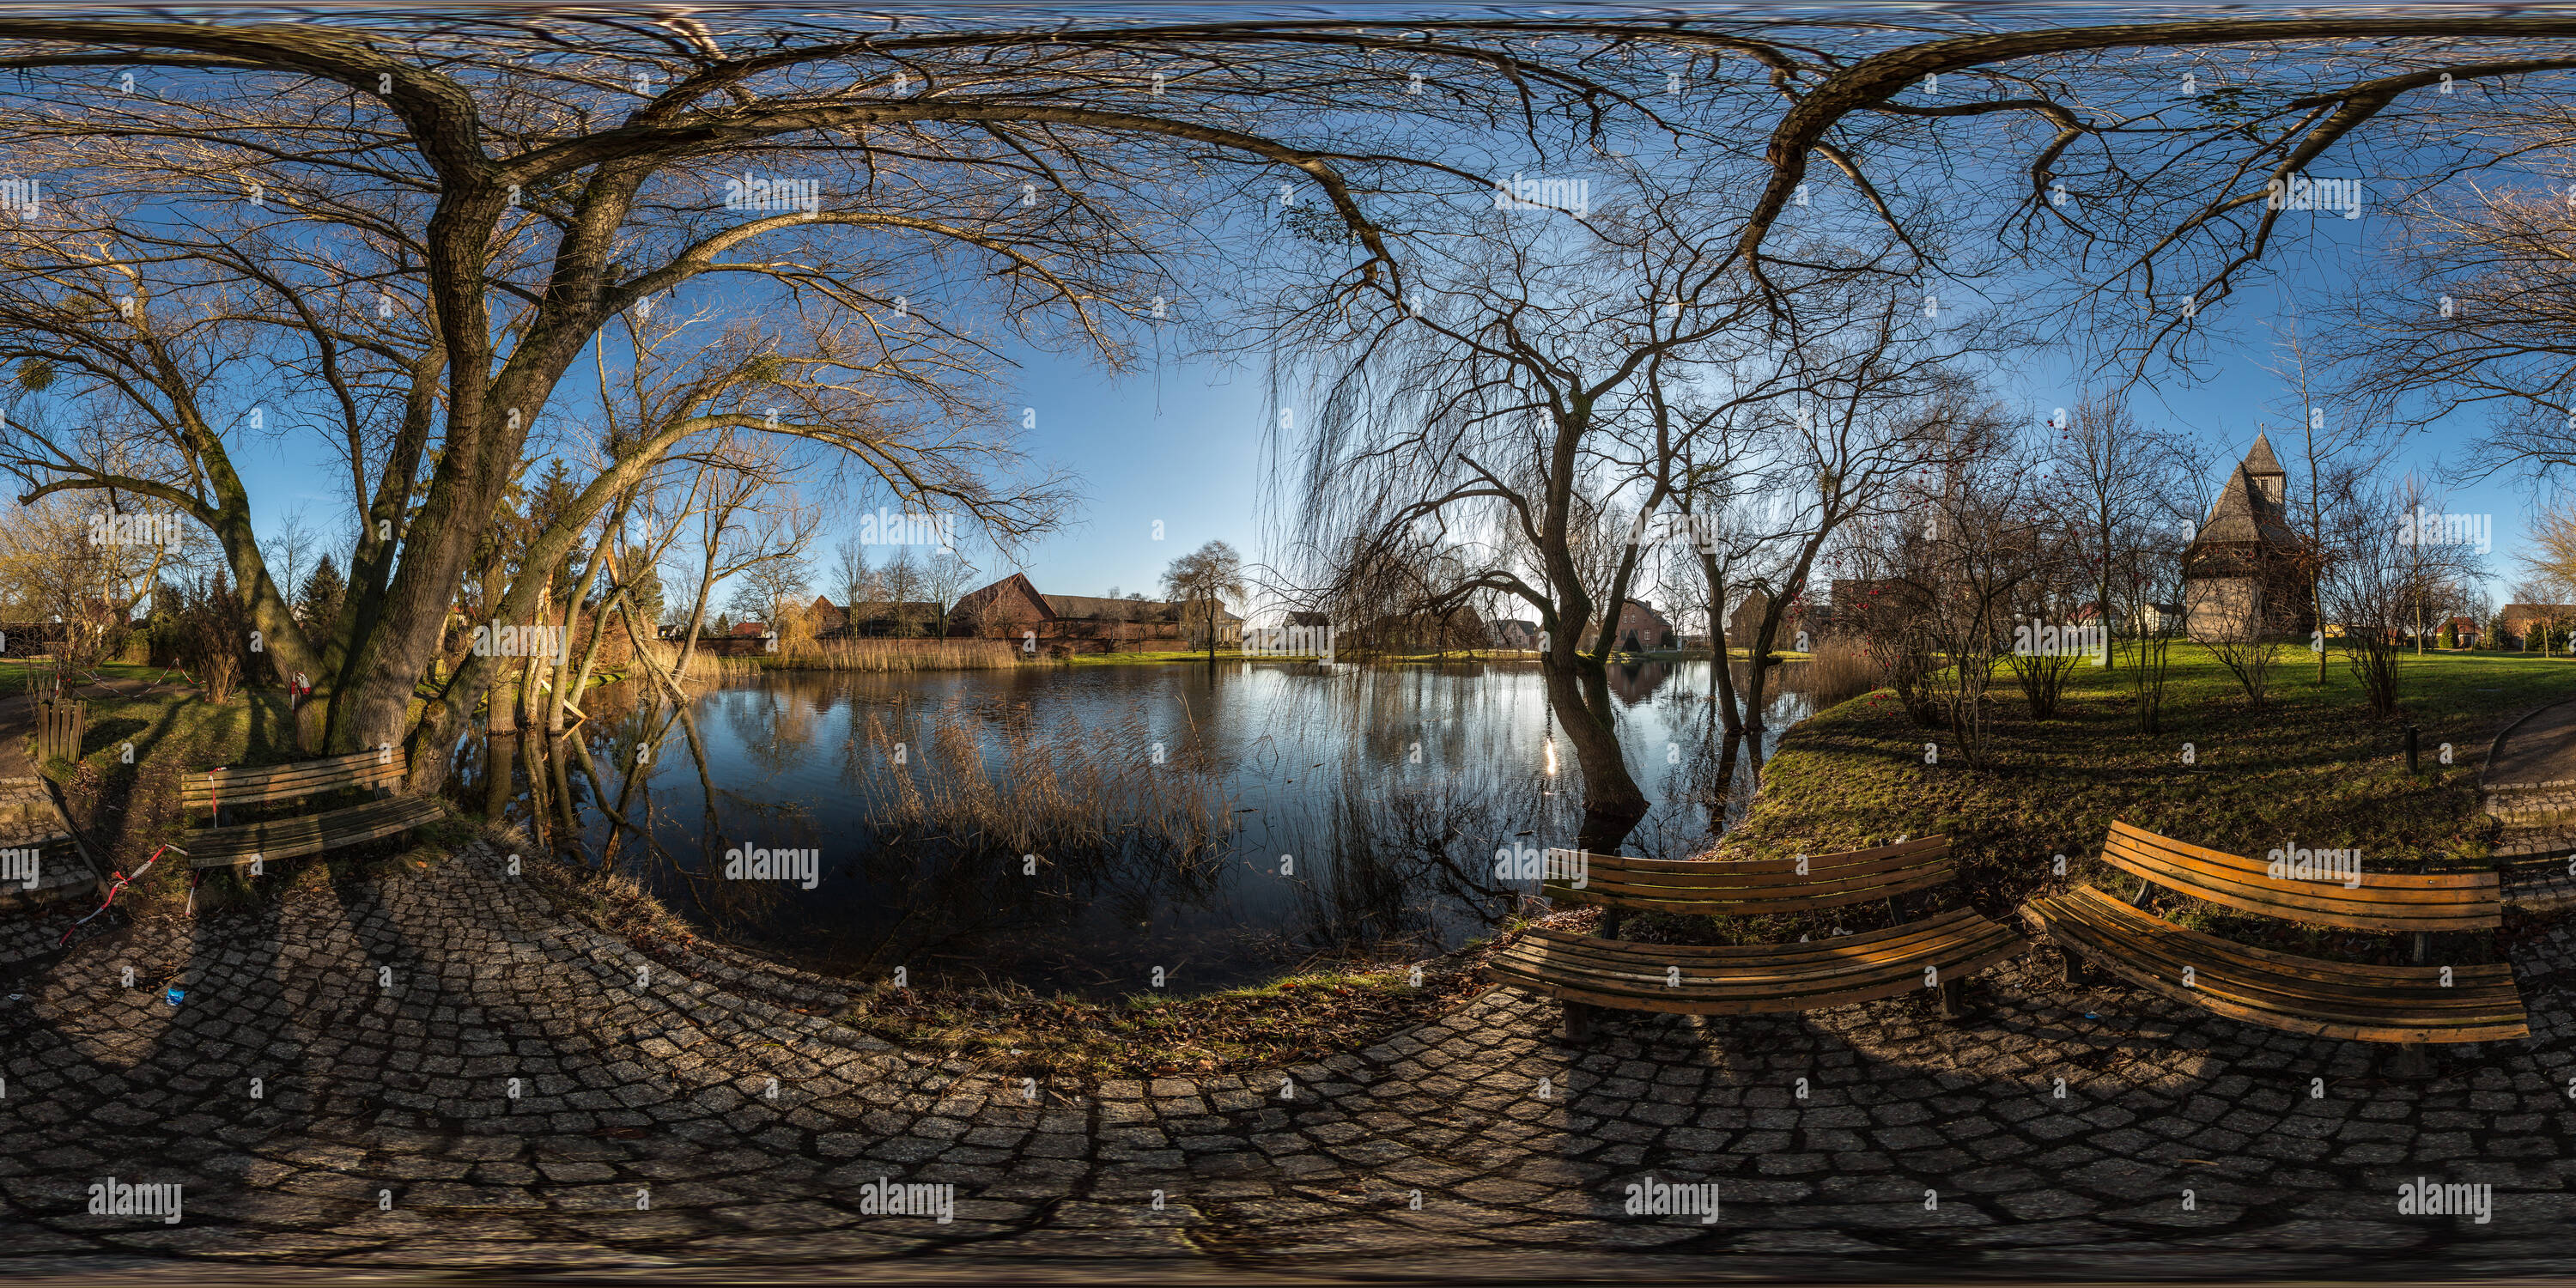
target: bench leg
1954 997
2075 975
1578 1022
2412 1061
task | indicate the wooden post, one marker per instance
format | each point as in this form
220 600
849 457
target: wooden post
1578 1022
59 725
2412 1061
1954 997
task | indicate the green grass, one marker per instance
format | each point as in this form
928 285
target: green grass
2311 766
14 674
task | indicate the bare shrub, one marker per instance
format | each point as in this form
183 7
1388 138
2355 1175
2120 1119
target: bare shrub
213 630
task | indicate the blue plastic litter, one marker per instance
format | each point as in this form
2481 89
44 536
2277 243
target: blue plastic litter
176 996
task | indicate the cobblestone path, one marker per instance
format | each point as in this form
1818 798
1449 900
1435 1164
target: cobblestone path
386 1019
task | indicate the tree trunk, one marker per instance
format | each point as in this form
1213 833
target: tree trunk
572 608
1721 678
1612 802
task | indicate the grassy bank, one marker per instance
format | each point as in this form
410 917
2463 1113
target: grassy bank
14 675
2312 766
1312 1011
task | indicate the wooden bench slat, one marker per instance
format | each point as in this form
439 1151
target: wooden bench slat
311 833
2255 867
2382 901
307 777
1722 875
2295 973
1788 977
1753 887
1823 954
1740 981
2219 987
2473 1013
1808 897
2281 991
235 784
318 764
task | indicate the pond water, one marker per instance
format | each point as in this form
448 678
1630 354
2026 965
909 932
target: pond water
1079 829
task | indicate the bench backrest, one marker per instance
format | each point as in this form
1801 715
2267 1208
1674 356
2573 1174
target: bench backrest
1756 887
2351 900
227 786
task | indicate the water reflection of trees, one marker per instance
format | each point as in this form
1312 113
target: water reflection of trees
1393 785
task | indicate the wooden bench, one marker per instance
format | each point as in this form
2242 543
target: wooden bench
381 770
2401 1004
1585 972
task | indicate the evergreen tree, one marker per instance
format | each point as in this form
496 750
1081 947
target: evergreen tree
319 604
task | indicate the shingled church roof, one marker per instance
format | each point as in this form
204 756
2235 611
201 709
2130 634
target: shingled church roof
2245 514
2260 461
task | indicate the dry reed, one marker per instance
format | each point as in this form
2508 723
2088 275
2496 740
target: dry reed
902 655
1838 671
1063 792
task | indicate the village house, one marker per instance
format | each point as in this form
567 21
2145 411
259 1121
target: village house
1746 620
2520 626
880 620
1013 608
1639 629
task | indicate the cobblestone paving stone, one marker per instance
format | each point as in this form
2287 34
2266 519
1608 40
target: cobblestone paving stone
1516 1145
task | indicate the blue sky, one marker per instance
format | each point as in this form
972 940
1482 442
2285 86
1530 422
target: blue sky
1180 443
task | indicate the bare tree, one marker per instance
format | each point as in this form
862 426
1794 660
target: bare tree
945 576
901 577
1201 581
